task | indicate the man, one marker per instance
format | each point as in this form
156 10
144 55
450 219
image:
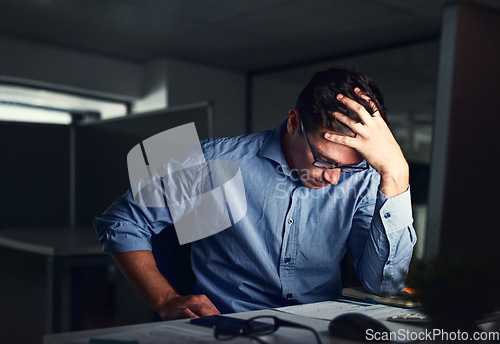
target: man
331 179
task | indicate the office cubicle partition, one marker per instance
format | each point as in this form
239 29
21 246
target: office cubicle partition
34 175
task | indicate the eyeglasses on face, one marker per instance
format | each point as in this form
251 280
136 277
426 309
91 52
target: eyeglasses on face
258 326
331 165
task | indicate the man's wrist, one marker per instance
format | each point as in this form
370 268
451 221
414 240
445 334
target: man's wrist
161 306
394 182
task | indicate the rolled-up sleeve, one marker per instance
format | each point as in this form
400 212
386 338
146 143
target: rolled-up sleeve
127 226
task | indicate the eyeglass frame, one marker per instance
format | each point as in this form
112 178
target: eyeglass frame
246 329
327 165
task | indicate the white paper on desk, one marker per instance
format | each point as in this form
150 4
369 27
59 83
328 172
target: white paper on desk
330 309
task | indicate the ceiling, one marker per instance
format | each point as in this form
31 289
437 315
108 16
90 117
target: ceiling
242 35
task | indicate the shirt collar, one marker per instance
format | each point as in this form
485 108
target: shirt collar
271 148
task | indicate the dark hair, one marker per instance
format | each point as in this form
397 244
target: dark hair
318 99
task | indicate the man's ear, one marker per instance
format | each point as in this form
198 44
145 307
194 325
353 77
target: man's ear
293 121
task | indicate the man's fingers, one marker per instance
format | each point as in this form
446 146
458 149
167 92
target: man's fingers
356 127
191 306
345 119
204 307
375 111
356 107
341 139
184 313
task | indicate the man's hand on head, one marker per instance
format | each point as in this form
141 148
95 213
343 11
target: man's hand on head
376 143
190 306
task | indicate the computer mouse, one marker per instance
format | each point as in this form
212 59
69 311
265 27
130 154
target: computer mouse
359 327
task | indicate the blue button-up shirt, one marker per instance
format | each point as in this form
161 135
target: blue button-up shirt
288 246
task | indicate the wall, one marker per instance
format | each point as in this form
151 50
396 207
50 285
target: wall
272 99
170 83
191 83
154 88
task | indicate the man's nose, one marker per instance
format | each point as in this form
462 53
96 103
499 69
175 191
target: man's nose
332 175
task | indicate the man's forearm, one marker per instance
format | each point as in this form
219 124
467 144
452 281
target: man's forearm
139 267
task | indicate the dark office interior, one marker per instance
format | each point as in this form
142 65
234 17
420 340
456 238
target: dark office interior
232 67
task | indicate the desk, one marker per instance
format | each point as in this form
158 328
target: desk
63 248
181 331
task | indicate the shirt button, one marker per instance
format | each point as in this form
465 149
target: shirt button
287 260
290 221
289 295
387 215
